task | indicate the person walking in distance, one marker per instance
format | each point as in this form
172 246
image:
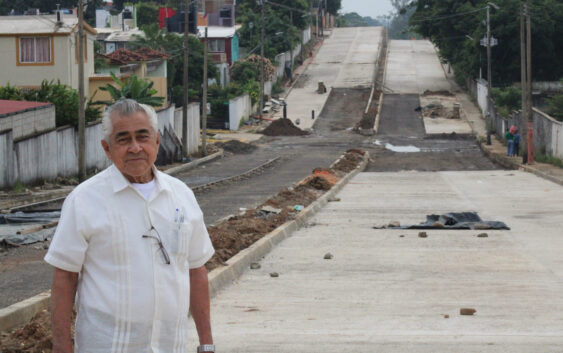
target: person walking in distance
509 142
131 245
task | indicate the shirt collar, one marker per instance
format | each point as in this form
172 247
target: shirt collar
119 182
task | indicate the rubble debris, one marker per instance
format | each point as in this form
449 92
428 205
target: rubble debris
299 207
446 316
283 127
444 93
482 235
467 311
255 266
236 146
328 256
455 220
334 199
321 88
394 224
349 162
270 209
422 235
274 274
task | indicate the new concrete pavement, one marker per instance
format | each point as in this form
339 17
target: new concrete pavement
346 60
386 293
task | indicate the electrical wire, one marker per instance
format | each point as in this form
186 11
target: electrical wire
449 16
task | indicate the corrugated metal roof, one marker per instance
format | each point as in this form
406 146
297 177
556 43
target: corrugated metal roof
126 36
38 24
9 107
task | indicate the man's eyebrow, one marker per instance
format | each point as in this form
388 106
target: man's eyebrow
143 131
122 133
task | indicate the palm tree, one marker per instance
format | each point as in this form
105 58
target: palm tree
135 88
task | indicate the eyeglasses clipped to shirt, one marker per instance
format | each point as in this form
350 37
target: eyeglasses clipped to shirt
161 247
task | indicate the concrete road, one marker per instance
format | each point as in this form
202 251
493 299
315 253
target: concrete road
386 293
346 60
413 67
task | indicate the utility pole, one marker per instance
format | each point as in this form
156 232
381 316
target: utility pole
489 76
204 98
185 81
261 107
524 86
291 42
529 84
81 113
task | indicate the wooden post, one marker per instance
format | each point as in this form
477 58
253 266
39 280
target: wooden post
524 87
185 82
81 112
204 98
261 106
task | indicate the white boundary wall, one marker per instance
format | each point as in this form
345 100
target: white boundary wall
193 126
240 108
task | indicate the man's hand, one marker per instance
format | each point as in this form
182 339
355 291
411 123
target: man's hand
199 304
63 291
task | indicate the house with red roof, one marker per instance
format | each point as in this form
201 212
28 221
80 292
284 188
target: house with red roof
144 63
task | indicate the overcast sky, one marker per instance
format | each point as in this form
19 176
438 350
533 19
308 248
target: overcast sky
372 8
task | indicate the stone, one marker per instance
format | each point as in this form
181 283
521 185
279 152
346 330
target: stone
334 199
274 274
438 225
422 235
482 235
394 224
446 316
255 266
46 246
270 209
328 256
467 311
401 236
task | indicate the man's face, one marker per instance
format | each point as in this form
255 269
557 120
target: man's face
133 146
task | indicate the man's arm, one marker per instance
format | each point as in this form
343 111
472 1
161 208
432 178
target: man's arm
62 300
199 304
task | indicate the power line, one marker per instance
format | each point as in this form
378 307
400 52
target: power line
449 16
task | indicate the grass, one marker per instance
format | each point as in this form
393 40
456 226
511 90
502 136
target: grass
545 158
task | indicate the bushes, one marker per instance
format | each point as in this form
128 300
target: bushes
62 96
507 99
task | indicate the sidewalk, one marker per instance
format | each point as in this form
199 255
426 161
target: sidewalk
497 151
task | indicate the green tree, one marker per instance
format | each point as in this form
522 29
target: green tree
447 23
333 6
134 88
146 14
63 97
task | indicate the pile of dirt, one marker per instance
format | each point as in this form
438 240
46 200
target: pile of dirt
444 93
349 161
35 337
283 127
236 146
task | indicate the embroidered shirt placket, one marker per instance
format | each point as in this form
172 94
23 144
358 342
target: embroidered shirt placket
155 331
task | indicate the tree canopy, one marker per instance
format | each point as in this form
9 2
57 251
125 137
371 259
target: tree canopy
457 26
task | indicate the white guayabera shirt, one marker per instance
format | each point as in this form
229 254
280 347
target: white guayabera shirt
129 299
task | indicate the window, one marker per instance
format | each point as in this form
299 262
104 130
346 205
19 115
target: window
217 45
35 50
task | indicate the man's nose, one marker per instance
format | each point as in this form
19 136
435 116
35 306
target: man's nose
135 146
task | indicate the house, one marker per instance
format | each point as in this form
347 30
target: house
144 63
43 47
119 39
223 48
26 118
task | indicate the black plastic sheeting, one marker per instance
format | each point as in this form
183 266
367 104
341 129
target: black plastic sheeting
455 220
32 238
29 217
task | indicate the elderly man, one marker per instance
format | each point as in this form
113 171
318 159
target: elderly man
131 246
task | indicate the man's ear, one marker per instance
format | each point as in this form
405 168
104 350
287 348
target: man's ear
158 139
105 146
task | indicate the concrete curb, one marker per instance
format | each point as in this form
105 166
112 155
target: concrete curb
20 313
223 276
192 165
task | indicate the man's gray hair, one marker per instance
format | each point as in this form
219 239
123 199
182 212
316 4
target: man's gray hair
125 107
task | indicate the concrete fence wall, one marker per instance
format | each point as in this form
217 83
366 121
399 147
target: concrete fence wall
193 126
240 108
29 122
55 153
482 92
548 132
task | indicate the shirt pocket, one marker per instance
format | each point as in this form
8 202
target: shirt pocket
179 241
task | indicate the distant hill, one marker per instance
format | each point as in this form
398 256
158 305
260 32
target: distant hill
353 19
